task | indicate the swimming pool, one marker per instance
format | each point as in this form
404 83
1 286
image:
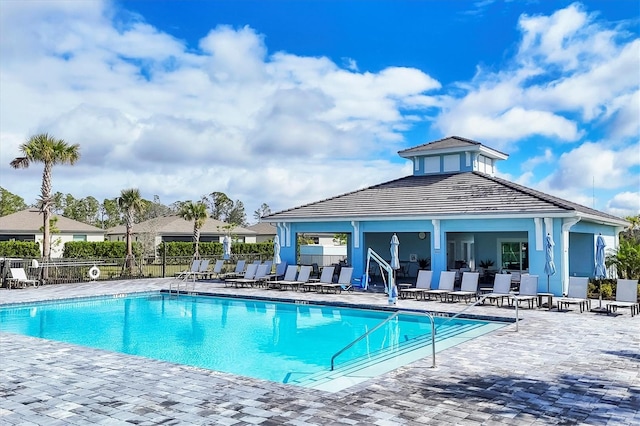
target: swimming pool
281 342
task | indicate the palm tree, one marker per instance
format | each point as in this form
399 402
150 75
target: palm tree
198 213
46 149
131 203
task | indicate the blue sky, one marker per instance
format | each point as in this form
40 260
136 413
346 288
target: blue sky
289 102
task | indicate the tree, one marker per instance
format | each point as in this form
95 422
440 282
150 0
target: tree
220 205
131 203
10 203
46 149
196 212
263 211
237 215
626 259
109 213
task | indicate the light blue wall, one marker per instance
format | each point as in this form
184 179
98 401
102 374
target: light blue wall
377 235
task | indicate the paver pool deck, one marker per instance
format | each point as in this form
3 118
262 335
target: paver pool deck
559 368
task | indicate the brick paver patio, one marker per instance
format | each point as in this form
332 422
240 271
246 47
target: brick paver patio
559 368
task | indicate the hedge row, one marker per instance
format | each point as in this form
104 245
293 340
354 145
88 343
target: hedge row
20 249
182 248
118 249
99 249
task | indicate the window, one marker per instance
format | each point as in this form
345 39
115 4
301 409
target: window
514 255
79 238
452 163
432 164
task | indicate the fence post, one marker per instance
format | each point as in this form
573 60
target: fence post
164 259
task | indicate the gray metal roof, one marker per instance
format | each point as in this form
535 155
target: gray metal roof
30 221
469 193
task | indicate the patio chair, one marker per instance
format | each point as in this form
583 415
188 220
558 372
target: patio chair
501 289
577 294
626 297
261 277
248 275
528 290
217 269
289 277
239 271
423 283
344 281
447 280
326 277
302 279
195 267
469 287
203 270
19 278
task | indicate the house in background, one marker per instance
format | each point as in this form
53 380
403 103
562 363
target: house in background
26 225
264 231
454 212
152 232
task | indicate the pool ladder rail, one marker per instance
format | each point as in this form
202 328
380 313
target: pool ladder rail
386 320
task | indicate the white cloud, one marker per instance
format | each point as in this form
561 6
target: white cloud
625 204
594 165
151 113
568 66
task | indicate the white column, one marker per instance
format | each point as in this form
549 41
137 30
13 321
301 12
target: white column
538 225
436 234
566 225
356 233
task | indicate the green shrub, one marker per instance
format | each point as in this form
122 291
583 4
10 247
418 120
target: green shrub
21 249
212 249
99 249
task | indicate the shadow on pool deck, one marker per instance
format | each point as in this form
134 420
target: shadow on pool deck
559 368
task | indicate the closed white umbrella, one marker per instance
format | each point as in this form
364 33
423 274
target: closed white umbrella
395 265
226 247
600 272
549 265
276 254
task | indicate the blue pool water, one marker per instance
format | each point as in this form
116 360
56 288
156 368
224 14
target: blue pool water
261 339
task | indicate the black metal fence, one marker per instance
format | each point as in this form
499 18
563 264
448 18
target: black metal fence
58 271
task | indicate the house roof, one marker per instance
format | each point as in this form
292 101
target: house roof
30 221
263 228
175 225
451 144
440 196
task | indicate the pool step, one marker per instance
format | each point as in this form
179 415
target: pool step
358 370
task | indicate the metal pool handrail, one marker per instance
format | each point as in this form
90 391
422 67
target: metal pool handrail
433 337
333 358
481 299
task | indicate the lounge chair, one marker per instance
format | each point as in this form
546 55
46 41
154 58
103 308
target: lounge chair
423 283
302 279
577 294
468 288
195 267
289 277
344 281
326 277
19 278
217 269
256 279
501 289
626 297
239 271
447 280
528 290
203 270
240 281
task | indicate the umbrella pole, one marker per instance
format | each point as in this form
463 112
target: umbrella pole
548 284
